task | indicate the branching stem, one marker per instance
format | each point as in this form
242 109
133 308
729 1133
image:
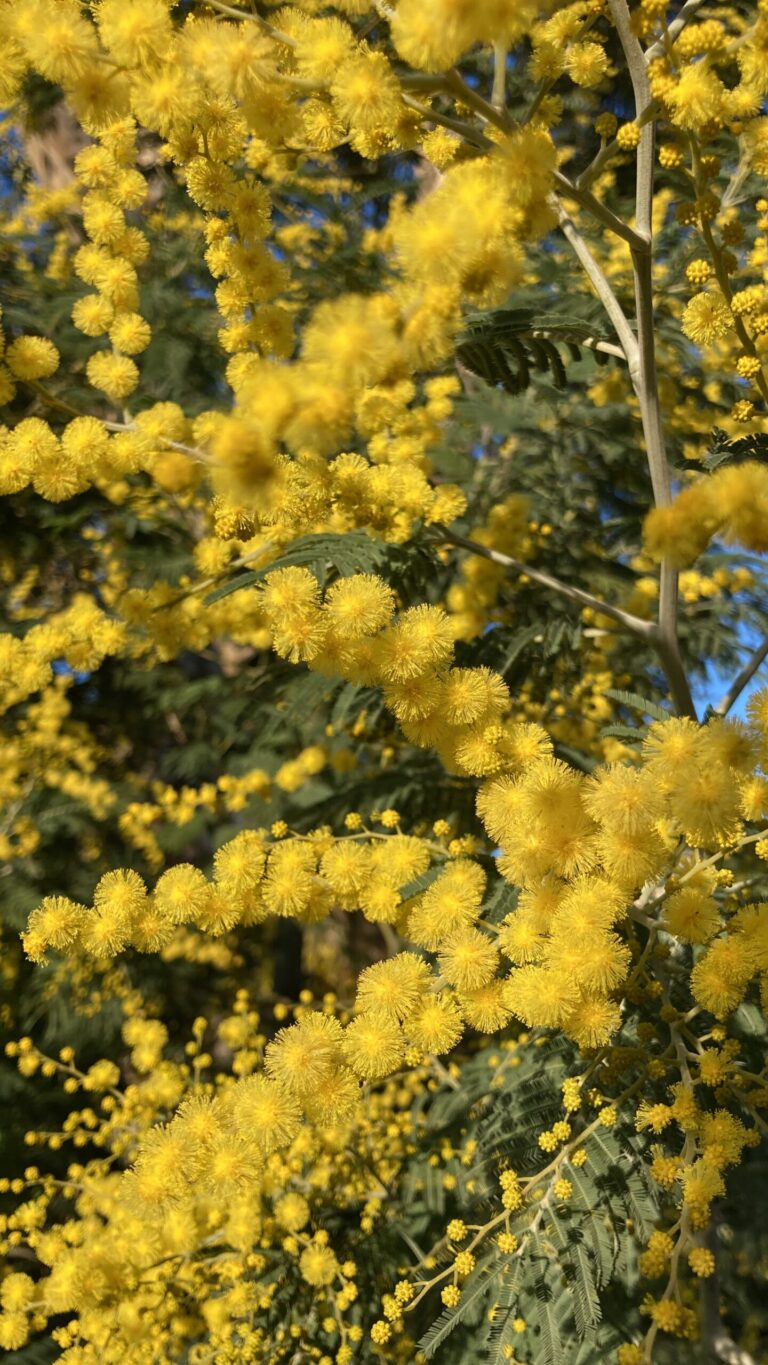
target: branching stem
675 28
602 287
587 200
645 630
231 13
742 679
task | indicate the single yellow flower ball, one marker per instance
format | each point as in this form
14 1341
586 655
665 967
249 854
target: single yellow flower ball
32 358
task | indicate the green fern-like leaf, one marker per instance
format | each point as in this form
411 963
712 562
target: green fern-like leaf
579 1272
548 1309
638 703
503 346
352 552
476 1290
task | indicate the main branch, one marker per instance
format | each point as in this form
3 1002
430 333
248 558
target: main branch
643 373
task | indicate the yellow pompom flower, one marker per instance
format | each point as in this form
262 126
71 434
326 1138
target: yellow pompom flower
335 1100
293 590
499 805
380 901
697 98
56 923
415 699
705 801
102 219
322 45
719 978
85 443
483 1007
540 997
264 1112
31 357
303 1055
181 893
435 1026
116 279
630 1355
702 1262
691 915
290 879
292 1212
318 1266
430 34
359 605
366 92
671 747
522 938
587 64
238 865
707 318
682 531
468 959
352 338
623 798
596 962
394 987
421 639
449 904
346 866
130 333
115 375
136 34
469 693
374 1045
93 315
120 893
16 1291
14 1330
741 492
593 1021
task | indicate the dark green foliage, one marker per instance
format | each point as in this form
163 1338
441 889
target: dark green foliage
328 556
504 345
725 448
575 1268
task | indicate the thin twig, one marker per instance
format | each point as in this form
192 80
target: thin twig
457 86
676 27
604 215
499 92
605 347
279 37
726 1349
609 149
471 135
601 158
645 630
743 677
60 406
602 287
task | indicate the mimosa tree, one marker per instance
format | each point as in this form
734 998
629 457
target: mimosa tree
384 485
